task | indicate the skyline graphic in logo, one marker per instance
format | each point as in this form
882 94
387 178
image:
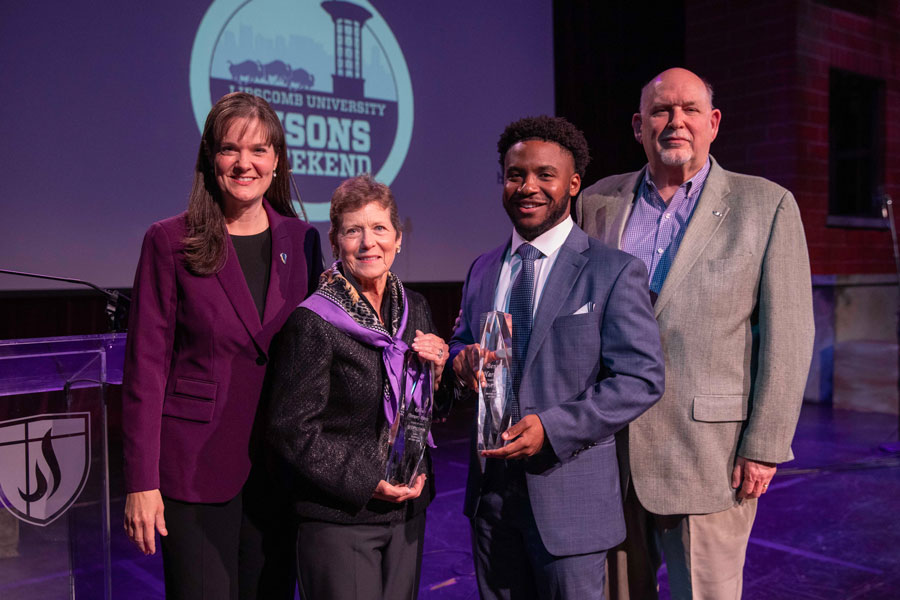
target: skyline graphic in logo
333 72
44 464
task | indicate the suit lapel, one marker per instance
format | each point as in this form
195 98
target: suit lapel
611 216
565 272
487 284
281 265
232 280
620 209
709 214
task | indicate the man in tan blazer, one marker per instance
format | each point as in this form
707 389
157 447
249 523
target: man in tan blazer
729 274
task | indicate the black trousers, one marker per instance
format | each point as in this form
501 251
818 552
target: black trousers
381 561
242 549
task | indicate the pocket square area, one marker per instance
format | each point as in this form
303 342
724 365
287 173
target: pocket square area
587 308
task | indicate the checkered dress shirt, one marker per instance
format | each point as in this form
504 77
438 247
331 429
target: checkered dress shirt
655 229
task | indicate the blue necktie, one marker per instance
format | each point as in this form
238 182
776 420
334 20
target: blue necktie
521 308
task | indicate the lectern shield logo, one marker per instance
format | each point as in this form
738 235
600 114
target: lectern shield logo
44 464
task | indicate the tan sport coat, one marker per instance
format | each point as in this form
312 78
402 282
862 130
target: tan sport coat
736 321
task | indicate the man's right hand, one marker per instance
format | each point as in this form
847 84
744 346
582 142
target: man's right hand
143 518
465 365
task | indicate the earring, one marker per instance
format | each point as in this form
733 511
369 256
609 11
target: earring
398 249
274 174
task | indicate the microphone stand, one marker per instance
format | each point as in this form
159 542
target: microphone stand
297 191
116 303
887 211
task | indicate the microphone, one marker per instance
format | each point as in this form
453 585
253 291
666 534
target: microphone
116 303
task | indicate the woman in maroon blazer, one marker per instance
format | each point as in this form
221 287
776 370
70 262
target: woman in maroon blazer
213 285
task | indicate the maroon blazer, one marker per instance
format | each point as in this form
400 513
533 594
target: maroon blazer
195 360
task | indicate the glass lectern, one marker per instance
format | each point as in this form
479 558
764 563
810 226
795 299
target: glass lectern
54 469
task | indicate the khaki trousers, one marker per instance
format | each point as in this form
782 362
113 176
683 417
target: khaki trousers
704 553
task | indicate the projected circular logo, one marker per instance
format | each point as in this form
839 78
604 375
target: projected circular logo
334 73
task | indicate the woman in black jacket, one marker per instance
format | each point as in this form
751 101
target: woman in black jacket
335 378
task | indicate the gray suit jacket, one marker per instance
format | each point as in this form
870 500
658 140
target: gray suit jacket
586 375
736 321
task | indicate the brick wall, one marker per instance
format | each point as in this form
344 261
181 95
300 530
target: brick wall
769 62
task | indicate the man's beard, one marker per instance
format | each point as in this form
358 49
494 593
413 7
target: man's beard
676 157
556 214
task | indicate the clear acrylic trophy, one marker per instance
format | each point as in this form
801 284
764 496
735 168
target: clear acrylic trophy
409 432
494 364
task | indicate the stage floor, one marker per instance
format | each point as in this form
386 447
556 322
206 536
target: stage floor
828 527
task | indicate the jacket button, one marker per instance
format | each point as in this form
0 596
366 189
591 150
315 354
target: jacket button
261 360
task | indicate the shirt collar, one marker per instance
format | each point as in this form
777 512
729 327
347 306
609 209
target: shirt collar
548 242
691 186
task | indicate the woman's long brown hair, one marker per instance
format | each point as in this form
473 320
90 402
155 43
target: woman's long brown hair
204 243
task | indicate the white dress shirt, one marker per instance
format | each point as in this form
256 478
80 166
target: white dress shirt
549 244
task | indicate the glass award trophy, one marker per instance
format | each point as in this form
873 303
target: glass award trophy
494 364
409 431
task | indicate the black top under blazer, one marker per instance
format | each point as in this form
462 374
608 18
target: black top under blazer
326 426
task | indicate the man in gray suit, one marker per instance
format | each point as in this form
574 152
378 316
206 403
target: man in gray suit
729 273
586 360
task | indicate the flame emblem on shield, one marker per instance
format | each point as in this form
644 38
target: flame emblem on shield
52 463
44 464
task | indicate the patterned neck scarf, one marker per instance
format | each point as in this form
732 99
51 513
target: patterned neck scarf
338 302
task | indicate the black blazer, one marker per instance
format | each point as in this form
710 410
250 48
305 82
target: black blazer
326 428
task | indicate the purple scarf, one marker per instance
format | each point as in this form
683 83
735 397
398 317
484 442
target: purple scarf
337 302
